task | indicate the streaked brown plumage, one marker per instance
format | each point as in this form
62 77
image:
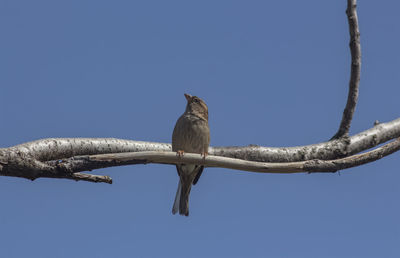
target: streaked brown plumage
191 134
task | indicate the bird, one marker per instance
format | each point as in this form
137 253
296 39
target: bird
192 135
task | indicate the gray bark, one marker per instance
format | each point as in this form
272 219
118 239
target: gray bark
52 157
355 71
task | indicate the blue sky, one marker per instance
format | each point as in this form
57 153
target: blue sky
273 73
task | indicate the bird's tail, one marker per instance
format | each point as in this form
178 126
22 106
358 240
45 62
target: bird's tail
184 200
175 208
181 202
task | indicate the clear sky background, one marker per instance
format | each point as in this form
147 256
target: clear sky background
273 73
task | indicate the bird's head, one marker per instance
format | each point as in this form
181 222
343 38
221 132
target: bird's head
196 106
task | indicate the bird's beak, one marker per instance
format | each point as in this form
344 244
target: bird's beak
188 97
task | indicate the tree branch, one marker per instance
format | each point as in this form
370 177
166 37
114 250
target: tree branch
352 161
83 163
61 148
32 173
355 49
47 157
343 147
19 164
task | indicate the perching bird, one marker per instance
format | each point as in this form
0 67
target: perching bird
191 134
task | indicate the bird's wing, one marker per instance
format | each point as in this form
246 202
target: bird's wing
199 172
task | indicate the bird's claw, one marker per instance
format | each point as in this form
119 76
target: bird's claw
180 153
204 154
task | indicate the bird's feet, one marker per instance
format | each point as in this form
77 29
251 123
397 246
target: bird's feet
204 154
180 153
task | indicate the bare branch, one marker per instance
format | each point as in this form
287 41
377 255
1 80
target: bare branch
128 158
4 171
62 148
343 147
20 160
20 164
59 148
355 49
352 161
120 159
91 178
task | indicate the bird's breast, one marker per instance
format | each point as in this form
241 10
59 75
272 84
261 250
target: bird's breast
190 134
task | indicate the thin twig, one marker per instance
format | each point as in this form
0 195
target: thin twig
355 49
91 178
